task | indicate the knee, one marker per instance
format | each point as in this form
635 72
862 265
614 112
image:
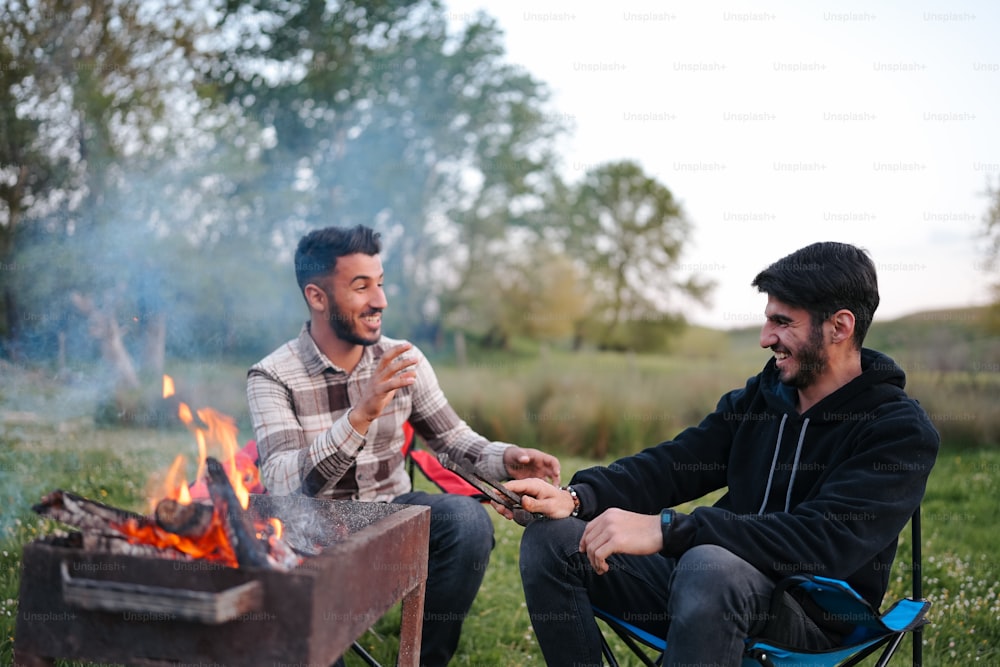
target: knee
708 580
461 522
705 563
549 544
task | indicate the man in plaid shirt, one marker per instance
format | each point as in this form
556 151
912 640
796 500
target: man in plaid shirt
328 409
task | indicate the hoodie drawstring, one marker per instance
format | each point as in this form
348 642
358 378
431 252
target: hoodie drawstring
774 463
795 463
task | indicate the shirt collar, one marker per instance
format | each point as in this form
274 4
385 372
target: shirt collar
315 362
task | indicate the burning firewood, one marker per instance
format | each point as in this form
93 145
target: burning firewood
220 532
191 520
98 523
250 552
77 511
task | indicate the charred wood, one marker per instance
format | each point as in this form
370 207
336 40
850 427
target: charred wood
191 520
239 529
100 525
87 515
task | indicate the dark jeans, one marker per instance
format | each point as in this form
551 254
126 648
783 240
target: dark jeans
705 603
461 540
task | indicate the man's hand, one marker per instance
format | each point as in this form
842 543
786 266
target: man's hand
619 532
523 463
393 372
539 497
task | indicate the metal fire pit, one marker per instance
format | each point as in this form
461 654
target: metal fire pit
153 612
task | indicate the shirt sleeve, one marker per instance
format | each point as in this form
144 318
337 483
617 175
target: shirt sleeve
289 462
443 430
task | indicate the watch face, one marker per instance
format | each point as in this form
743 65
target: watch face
666 518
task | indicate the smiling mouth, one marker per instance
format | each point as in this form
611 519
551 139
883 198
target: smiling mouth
372 319
781 356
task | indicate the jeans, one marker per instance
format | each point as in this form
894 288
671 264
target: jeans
705 603
461 539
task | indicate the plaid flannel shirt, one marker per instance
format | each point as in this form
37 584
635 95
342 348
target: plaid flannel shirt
299 402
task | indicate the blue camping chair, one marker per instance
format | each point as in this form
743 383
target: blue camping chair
872 631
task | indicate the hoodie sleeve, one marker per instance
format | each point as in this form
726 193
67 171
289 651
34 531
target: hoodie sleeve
857 513
673 472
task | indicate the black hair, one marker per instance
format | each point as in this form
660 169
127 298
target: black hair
317 252
823 278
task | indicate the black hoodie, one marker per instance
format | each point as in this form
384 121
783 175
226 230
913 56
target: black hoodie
824 492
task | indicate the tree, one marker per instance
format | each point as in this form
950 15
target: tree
159 161
381 116
26 170
536 294
92 99
629 232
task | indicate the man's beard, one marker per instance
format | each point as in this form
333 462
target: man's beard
344 328
811 359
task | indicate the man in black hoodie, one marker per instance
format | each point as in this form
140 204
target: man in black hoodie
822 455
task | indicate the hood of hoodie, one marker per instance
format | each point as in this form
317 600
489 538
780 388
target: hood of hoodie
800 444
881 379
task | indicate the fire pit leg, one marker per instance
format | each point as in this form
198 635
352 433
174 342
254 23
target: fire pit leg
411 625
22 659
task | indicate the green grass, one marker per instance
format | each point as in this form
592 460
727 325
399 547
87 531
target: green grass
961 569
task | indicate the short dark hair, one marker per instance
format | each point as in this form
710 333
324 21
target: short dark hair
823 278
317 252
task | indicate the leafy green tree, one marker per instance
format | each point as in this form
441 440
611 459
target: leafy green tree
159 162
629 232
26 172
93 97
536 294
382 116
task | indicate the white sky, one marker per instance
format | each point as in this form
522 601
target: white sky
777 124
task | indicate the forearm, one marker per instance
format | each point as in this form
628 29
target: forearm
435 421
289 461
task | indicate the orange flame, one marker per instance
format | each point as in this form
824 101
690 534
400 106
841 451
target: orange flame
168 386
276 526
216 431
211 545
174 485
219 431
184 495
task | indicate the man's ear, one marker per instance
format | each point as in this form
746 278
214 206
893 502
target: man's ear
843 325
315 297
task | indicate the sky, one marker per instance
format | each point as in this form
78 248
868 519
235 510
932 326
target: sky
778 124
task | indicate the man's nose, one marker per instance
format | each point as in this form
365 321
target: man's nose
767 336
378 299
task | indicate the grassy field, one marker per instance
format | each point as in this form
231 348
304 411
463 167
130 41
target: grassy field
961 570
590 408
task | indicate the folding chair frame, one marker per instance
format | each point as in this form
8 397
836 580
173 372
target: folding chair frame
632 637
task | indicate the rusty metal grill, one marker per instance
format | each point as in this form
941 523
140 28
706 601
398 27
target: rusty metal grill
84 604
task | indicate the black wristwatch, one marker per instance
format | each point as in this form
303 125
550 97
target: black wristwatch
666 521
